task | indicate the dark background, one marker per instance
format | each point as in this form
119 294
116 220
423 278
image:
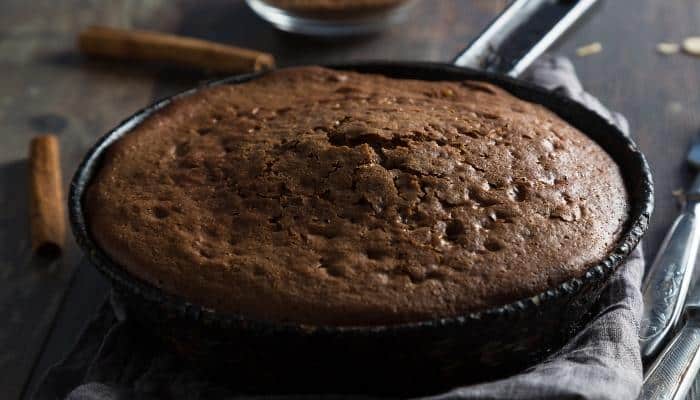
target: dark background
46 86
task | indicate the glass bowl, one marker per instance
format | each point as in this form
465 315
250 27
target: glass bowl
332 17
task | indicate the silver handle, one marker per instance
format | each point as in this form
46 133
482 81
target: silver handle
671 376
520 34
667 282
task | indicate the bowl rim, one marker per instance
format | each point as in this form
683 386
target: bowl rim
636 226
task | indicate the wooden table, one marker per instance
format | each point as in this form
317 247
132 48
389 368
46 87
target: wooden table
47 86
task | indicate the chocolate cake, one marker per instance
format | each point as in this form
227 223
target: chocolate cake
329 197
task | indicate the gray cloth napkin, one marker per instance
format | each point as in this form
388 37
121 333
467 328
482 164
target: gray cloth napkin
112 361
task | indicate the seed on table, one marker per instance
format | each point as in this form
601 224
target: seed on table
668 48
589 49
691 45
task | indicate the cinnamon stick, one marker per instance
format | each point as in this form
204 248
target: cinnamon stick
154 46
47 210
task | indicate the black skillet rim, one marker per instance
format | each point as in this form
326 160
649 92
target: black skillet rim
637 225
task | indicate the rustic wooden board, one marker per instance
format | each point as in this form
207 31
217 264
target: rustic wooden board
53 89
47 87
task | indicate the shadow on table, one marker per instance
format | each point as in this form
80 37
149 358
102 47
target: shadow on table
147 71
234 23
29 285
14 216
15 237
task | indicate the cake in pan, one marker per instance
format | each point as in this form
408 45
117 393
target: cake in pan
328 197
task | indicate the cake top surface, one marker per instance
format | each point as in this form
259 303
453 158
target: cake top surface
329 197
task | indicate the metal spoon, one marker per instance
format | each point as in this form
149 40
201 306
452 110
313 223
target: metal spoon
666 285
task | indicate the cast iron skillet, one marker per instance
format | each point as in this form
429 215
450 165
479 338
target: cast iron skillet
418 357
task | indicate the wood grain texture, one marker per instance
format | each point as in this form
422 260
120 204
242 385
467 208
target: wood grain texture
52 87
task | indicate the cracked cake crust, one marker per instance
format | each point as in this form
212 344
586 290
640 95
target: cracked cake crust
328 197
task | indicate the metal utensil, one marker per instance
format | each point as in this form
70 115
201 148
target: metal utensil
668 279
672 374
521 34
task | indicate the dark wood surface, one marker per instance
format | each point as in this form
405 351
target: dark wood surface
47 86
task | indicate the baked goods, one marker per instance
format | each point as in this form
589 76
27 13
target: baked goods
336 9
330 197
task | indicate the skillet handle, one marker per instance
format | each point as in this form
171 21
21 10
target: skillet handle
520 34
